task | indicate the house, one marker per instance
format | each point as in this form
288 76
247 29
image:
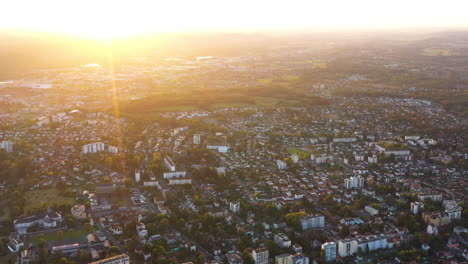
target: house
234 258
15 242
78 211
141 230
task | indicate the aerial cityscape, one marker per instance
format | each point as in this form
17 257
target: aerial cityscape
260 147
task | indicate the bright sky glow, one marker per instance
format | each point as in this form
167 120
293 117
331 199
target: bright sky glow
111 18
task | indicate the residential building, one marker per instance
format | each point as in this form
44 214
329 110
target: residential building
46 220
371 210
234 207
281 164
78 211
416 207
119 259
312 221
436 219
15 242
137 176
169 163
295 158
6 145
260 255
452 209
355 182
329 251
234 258
298 258
197 139
282 240
282 259
347 247
93 147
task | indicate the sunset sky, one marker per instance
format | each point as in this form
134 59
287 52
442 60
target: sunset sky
107 18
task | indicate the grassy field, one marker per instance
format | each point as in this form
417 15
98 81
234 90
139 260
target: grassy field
180 108
8 259
265 81
302 153
49 196
233 105
314 64
60 235
266 101
290 78
4 211
437 52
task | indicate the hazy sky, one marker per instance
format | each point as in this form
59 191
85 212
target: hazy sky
123 17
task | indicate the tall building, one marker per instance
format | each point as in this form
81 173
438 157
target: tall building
234 207
137 176
197 139
329 251
355 182
416 207
312 221
6 145
282 259
281 164
169 163
260 255
347 247
295 158
282 240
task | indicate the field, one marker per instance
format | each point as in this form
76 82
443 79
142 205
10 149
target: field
266 101
265 81
49 196
302 153
314 64
4 211
180 108
71 234
8 259
227 105
437 52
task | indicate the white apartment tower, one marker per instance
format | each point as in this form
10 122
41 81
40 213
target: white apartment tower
355 182
197 139
347 247
329 251
6 145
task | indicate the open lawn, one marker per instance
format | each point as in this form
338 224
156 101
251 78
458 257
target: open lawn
265 81
437 52
266 101
290 78
302 153
179 108
34 198
4 211
233 105
8 259
70 234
